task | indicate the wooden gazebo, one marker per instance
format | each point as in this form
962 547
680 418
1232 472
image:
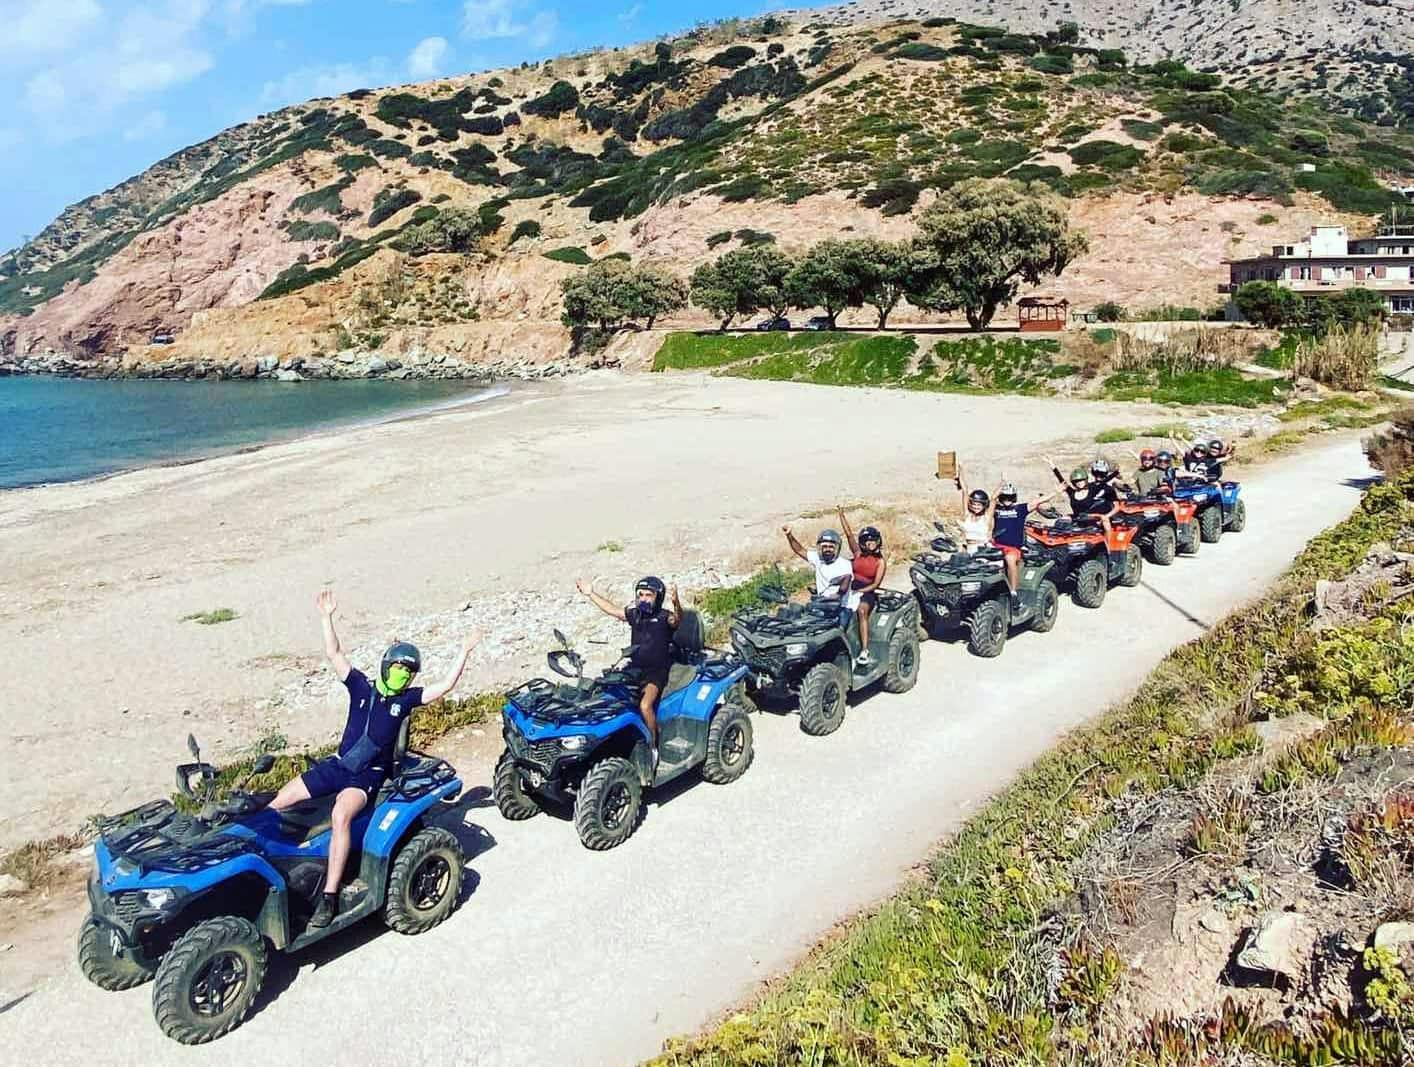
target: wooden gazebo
1042 313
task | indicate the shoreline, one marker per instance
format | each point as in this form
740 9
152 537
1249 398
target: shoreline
491 390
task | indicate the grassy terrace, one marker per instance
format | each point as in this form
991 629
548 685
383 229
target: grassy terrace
952 970
1004 364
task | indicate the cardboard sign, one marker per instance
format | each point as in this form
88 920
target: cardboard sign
947 465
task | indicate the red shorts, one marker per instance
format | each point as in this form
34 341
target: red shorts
1009 551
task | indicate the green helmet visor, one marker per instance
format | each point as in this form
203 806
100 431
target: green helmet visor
397 680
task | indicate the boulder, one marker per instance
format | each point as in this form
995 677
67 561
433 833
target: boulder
1394 936
1277 944
10 884
288 376
376 365
266 364
347 356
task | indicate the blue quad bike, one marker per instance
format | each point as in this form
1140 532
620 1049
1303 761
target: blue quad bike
583 744
195 901
1220 507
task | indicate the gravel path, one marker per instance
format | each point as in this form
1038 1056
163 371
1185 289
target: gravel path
563 956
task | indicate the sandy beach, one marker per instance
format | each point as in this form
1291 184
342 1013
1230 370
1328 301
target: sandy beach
479 516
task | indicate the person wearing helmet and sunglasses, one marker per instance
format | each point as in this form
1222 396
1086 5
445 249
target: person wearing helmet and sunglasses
651 629
1205 459
868 569
1089 497
833 572
1163 463
1006 526
366 753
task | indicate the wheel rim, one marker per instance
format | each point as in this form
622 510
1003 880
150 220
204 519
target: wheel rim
218 985
905 661
733 744
430 882
830 698
616 802
995 630
1048 607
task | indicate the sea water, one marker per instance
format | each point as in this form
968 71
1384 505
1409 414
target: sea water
62 429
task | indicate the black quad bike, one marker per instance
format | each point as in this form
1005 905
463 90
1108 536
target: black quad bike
959 591
804 652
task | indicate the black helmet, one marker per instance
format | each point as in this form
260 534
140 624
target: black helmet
400 652
1200 447
871 533
979 496
1100 468
1006 494
1163 458
1216 446
654 586
829 537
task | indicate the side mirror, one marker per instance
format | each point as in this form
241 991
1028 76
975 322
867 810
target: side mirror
561 638
939 527
193 747
263 765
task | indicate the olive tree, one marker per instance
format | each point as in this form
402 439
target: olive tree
826 277
611 292
982 239
1269 304
743 282
886 271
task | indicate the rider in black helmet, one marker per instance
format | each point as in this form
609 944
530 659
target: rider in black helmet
868 569
377 711
652 635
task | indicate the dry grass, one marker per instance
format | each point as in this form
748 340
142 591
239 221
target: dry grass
1182 353
33 863
1343 358
1392 451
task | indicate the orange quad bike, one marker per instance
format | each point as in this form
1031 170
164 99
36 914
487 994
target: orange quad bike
1087 562
1166 526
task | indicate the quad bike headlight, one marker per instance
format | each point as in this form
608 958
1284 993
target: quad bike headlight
971 587
159 898
738 637
799 648
573 743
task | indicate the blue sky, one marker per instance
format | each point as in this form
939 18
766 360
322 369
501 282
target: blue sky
101 89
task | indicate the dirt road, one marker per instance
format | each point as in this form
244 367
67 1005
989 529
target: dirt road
508 499
568 957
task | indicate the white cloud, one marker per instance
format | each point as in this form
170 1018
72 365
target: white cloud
504 19
327 80
38 26
428 57
150 125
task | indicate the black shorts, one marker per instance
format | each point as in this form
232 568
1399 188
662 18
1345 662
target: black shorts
655 675
871 598
329 776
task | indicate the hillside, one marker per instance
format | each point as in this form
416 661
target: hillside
320 229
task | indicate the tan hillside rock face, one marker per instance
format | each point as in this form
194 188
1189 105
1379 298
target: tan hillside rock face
220 254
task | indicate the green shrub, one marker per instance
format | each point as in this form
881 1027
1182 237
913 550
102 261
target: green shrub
1107 155
717 239
389 149
573 255
561 97
1141 130
389 201
1051 64
1110 311
329 199
745 187
300 230
1350 188
351 164
525 228
733 57
921 51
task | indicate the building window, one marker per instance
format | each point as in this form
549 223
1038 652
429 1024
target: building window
1402 305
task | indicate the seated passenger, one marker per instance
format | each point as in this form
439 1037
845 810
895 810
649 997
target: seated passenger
1148 478
869 567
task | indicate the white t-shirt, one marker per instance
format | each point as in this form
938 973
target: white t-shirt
828 575
976 530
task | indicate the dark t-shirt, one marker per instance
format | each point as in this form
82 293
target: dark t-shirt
378 716
1209 468
1009 524
652 636
1098 498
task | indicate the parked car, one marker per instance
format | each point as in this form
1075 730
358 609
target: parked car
818 322
766 325
163 338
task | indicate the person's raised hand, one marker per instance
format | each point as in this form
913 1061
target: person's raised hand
582 586
785 530
470 642
673 592
327 603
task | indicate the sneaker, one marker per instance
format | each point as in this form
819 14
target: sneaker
1015 602
864 659
325 912
653 769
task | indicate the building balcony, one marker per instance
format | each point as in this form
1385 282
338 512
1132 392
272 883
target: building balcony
1313 285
